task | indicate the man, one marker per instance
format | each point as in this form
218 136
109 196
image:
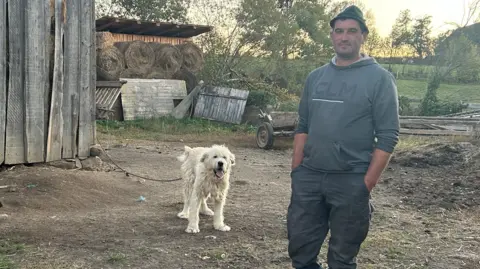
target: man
348 127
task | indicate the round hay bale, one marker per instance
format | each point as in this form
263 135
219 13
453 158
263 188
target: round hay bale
104 39
111 61
168 58
190 79
134 73
192 57
138 54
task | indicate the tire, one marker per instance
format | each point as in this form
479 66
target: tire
264 136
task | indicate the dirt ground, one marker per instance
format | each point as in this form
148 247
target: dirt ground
427 212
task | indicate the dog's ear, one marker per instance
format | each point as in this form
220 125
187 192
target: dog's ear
232 159
204 156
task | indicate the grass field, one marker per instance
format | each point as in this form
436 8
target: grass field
416 89
297 70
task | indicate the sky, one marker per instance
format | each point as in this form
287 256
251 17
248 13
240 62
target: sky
386 11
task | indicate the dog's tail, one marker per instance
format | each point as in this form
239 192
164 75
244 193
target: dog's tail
185 154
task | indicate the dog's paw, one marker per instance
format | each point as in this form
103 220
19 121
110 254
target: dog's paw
207 212
193 230
223 228
182 215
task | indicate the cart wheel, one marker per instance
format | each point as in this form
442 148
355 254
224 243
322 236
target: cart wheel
265 136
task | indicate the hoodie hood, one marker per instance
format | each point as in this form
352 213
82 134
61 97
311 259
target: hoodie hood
363 61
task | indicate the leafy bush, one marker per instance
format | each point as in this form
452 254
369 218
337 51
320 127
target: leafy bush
430 105
405 106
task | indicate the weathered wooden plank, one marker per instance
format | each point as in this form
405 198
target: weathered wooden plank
48 47
434 132
150 98
93 71
36 75
172 88
3 76
449 119
86 124
440 121
180 111
71 78
283 119
75 120
55 129
15 148
199 105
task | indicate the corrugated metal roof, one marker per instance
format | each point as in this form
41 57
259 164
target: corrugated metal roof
107 92
137 27
106 96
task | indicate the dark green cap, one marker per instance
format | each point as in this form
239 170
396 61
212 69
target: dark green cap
351 12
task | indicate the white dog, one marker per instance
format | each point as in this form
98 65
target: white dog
206 173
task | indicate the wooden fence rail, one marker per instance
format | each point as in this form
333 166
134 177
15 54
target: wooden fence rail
47 109
439 126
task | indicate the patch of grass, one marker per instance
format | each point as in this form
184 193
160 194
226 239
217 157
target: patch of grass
408 142
158 127
217 254
6 263
8 248
115 258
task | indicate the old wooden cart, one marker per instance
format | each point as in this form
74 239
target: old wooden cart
275 124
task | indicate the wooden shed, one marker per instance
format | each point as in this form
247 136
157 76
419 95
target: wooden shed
161 32
134 99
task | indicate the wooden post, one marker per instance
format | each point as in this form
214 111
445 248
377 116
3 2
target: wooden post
72 79
55 130
476 131
86 123
3 76
15 133
93 72
36 76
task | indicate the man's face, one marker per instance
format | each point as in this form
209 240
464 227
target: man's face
347 38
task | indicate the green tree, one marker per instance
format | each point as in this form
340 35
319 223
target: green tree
149 10
420 37
401 30
283 31
462 56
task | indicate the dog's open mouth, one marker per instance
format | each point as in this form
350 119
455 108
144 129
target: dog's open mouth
218 173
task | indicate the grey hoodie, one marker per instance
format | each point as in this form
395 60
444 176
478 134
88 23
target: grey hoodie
343 109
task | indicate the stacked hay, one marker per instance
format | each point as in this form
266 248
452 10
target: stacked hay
168 60
104 40
138 55
192 57
148 60
110 63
